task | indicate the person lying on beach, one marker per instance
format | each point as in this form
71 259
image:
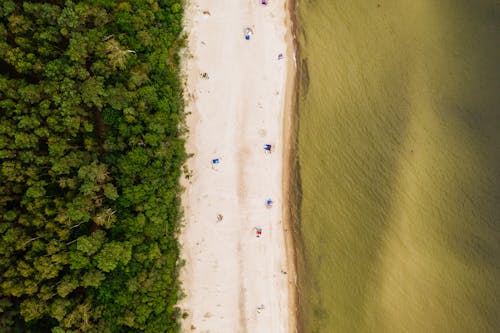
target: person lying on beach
258 232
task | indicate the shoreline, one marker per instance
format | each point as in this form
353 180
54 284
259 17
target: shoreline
224 299
290 127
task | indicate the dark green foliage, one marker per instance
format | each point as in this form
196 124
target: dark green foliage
90 155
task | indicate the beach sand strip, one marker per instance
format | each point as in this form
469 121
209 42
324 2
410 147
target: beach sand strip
238 93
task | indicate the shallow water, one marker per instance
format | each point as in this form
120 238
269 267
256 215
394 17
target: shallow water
399 149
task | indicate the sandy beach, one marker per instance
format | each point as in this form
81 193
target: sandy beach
237 277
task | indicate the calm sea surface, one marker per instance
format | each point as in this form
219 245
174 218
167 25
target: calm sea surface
399 148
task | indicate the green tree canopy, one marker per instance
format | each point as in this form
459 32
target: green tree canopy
90 156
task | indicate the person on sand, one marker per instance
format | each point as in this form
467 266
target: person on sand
248 33
214 162
260 308
219 217
268 148
258 232
269 203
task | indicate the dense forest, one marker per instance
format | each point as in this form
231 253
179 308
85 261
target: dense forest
90 151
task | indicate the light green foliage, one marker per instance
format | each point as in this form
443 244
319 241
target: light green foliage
32 309
89 245
93 91
111 254
93 278
67 285
59 308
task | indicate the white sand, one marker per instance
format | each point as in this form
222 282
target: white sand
229 272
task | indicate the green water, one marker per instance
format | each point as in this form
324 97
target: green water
399 149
